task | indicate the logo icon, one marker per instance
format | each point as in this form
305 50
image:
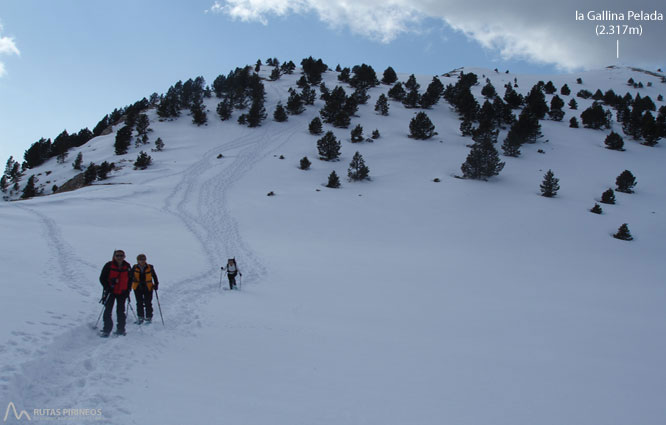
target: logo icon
17 415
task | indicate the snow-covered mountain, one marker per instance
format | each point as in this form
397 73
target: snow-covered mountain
395 300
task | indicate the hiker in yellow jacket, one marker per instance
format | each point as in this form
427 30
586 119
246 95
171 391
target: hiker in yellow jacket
144 280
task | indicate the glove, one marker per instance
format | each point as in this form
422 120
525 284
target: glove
240 274
155 285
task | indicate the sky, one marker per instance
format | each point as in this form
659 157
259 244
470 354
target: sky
65 64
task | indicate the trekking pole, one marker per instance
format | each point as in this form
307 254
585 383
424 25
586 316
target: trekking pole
129 304
103 300
221 272
240 281
159 307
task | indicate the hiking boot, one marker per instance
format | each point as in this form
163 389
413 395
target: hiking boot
120 332
138 321
149 320
104 334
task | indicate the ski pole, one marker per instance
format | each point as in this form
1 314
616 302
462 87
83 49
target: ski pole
159 307
221 271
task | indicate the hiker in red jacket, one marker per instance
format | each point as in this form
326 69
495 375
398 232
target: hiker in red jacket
116 280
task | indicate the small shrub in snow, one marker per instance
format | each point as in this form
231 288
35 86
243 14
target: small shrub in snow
625 182
328 147
357 168
280 114
357 134
333 181
315 126
421 127
573 122
614 141
596 209
550 185
305 163
608 197
623 233
159 145
142 161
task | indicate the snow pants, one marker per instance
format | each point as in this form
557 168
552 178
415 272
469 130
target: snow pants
144 302
232 279
120 313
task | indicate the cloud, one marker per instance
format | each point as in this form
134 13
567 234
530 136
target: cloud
540 32
7 47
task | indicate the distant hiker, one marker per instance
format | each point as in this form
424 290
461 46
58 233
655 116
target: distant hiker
232 271
144 280
115 278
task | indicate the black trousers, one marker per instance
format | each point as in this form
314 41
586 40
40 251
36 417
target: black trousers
120 301
232 279
144 302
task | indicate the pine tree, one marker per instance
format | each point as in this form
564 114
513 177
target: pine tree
275 74
488 91
90 175
280 115
328 147
305 163
649 129
573 122
512 98
315 126
104 169
397 92
625 182
623 233
389 76
535 101
333 180
596 117
420 127
511 145
596 209
550 185
4 183
556 105
159 144
375 134
142 161
565 90
29 191
256 114
295 103
573 104
142 127
382 105
78 162
198 110
357 134
345 74
549 88
123 139
614 141
357 168
482 162
224 109
608 197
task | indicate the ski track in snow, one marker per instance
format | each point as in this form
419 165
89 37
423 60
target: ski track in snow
76 369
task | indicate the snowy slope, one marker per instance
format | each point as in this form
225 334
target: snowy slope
394 301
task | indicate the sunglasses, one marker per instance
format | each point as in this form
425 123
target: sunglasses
120 256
